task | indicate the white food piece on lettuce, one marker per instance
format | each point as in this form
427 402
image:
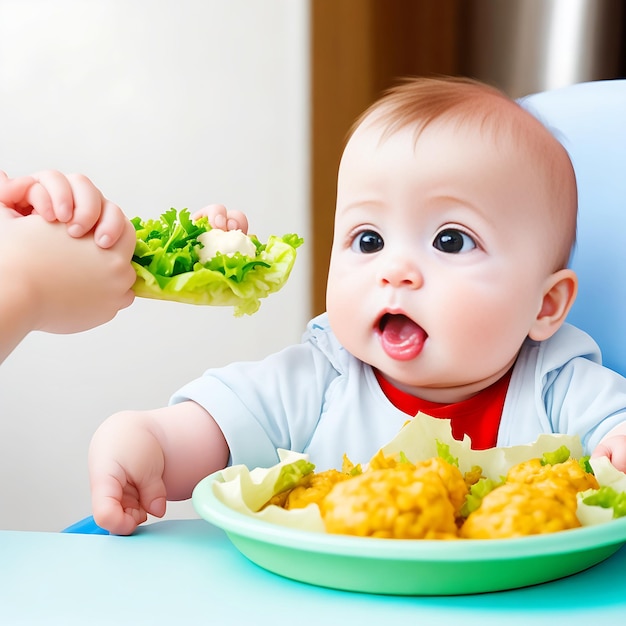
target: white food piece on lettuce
228 242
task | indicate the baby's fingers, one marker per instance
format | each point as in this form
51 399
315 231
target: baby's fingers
614 448
220 217
236 220
216 214
120 507
113 508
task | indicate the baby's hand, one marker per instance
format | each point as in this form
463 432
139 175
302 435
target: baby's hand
220 217
126 467
613 447
138 459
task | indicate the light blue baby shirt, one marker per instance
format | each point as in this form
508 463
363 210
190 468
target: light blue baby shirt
315 397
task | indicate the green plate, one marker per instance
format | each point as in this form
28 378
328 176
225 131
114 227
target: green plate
409 567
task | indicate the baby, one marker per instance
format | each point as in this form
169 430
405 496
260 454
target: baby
447 293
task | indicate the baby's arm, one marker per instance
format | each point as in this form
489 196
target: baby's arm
613 446
140 459
72 199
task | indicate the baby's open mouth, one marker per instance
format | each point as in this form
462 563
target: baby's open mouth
400 337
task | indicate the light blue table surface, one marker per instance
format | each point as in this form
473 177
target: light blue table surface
177 572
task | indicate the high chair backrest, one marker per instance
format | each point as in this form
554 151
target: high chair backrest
590 121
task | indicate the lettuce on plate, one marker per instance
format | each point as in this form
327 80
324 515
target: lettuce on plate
246 491
596 506
168 265
422 438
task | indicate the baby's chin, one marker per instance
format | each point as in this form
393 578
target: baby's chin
441 391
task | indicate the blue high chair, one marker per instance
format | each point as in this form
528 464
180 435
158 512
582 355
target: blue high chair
590 121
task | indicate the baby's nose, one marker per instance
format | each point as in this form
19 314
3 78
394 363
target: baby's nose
401 271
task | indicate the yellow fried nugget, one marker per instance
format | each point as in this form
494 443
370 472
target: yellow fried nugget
473 475
451 477
568 474
518 509
400 503
380 461
314 490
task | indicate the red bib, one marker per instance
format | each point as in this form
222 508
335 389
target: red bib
477 417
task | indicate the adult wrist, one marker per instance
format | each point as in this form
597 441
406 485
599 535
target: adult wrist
16 312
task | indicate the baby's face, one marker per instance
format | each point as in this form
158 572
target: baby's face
440 256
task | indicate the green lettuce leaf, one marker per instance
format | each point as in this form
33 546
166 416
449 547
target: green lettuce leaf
560 455
168 267
443 451
597 506
607 498
246 491
291 474
476 494
585 464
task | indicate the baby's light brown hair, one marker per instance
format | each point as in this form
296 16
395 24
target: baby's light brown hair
420 102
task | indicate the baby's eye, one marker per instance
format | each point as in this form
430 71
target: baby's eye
367 242
453 241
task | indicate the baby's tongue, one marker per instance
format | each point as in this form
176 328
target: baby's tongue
401 338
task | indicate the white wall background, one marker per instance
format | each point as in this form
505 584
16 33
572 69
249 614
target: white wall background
161 103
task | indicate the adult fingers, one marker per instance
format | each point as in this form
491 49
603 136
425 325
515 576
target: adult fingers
52 197
111 225
88 205
14 193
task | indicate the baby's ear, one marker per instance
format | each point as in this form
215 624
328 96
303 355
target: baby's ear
558 298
